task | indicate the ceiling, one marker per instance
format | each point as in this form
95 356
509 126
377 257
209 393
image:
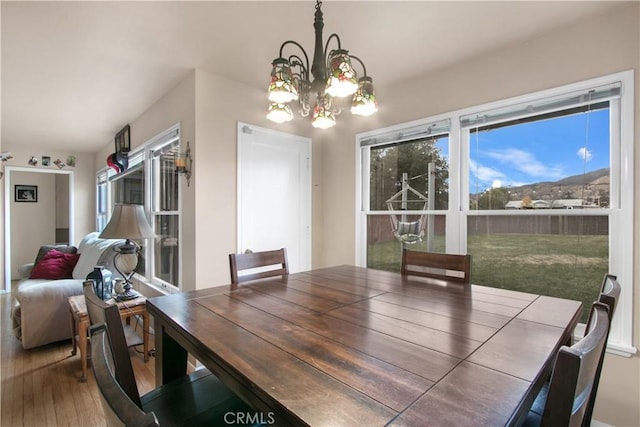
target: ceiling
74 73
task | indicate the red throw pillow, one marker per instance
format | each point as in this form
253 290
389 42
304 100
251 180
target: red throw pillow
55 265
46 248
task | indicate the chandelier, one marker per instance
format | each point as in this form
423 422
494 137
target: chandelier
291 82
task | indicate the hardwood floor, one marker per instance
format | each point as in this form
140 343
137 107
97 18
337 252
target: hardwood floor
40 387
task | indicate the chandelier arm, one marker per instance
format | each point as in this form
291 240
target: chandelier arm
293 42
326 52
361 63
296 61
326 45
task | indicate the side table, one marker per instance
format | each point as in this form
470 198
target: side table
80 324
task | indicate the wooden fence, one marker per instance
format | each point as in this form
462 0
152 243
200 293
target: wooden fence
379 228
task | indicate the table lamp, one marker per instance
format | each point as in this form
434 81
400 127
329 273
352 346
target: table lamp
127 222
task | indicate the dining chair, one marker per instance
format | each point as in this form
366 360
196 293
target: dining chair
609 295
437 266
195 399
269 263
95 310
565 399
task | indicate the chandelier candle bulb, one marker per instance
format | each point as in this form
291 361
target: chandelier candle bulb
279 113
323 117
364 101
342 78
181 163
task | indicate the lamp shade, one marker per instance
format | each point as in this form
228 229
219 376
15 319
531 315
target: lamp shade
282 88
364 100
128 222
342 78
279 113
323 117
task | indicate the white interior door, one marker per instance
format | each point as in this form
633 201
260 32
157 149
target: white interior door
274 193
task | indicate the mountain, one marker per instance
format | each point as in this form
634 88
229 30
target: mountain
591 187
587 178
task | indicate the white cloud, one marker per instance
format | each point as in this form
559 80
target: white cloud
525 162
584 154
485 174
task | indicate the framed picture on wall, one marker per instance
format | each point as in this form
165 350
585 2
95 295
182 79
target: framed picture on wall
123 140
26 193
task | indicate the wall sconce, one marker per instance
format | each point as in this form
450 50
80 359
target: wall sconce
183 163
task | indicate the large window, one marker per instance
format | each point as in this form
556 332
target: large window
407 183
535 188
150 181
545 163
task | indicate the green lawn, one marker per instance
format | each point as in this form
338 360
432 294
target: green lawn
565 266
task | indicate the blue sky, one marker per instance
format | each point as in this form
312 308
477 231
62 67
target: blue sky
546 150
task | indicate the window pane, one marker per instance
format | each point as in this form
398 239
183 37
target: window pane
384 249
561 256
559 162
166 248
166 182
142 256
129 189
399 177
102 203
166 214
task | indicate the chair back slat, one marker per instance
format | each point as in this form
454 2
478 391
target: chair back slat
109 314
119 409
276 259
95 306
574 373
437 266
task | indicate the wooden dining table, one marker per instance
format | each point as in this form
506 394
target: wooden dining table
353 346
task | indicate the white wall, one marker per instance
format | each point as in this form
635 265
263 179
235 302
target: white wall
32 223
607 44
84 180
83 190
220 104
209 107
3 286
177 106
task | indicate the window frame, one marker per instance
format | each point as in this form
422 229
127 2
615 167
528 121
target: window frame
168 141
145 155
620 212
